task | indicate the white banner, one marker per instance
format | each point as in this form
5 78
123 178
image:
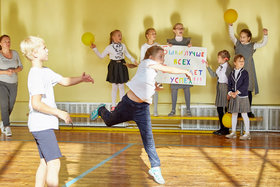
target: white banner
190 58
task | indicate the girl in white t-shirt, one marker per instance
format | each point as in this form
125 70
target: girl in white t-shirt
150 35
117 70
135 104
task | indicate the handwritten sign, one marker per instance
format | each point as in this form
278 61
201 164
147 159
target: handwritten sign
190 58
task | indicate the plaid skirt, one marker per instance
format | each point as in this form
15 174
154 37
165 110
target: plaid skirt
239 105
221 95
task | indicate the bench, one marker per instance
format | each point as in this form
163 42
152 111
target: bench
205 118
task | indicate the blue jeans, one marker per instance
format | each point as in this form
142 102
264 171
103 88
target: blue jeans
128 110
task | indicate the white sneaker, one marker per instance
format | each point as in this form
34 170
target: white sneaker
2 127
231 135
246 136
189 113
156 173
8 131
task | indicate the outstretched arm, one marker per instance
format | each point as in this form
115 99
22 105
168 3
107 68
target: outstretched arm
70 81
231 34
104 53
169 69
265 39
211 72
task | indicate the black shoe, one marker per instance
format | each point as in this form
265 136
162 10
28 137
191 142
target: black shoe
251 115
172 113
218 132
224 132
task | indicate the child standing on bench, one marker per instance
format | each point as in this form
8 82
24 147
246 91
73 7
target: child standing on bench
247 48
222 73
150 35
238 83
135 104
180 40
117 70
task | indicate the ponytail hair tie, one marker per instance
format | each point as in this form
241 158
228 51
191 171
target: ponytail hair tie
226 59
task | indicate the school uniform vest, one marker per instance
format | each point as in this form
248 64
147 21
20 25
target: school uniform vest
184 42
247 51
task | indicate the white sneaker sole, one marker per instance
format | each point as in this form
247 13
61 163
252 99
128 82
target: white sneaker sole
152 174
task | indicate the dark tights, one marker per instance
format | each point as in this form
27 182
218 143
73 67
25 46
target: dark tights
250 97
221 111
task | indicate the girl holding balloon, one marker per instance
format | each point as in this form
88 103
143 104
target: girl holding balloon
117 70
246 47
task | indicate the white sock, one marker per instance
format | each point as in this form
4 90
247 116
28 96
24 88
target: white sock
114 94
156 167
234 121
121 91
246 122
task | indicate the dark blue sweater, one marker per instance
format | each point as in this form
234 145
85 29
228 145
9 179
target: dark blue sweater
241 83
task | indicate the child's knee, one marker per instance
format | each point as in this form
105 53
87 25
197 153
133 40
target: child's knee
43 163
54 164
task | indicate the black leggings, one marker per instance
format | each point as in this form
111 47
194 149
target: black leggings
221 111
250 97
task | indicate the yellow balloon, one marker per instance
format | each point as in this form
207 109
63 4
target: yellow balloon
87 38
227 120
230 16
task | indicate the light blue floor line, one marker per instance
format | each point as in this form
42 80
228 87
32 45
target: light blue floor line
96 166
121 143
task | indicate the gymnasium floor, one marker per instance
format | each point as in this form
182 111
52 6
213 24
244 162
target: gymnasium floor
106 158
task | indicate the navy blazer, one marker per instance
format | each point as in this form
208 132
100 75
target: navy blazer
241 83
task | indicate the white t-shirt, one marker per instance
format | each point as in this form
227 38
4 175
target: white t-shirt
6 63
144 49
221 73
116 51
143 82
41 82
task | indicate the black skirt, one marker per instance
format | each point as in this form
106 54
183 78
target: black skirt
117 72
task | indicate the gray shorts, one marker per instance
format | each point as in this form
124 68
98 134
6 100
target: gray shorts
47 144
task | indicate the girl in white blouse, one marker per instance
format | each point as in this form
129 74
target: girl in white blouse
117 70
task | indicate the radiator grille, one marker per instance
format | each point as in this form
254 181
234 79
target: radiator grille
270 114
83 108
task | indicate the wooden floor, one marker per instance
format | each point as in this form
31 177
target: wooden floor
118 159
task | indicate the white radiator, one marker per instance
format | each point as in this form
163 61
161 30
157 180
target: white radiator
83 108
270 114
